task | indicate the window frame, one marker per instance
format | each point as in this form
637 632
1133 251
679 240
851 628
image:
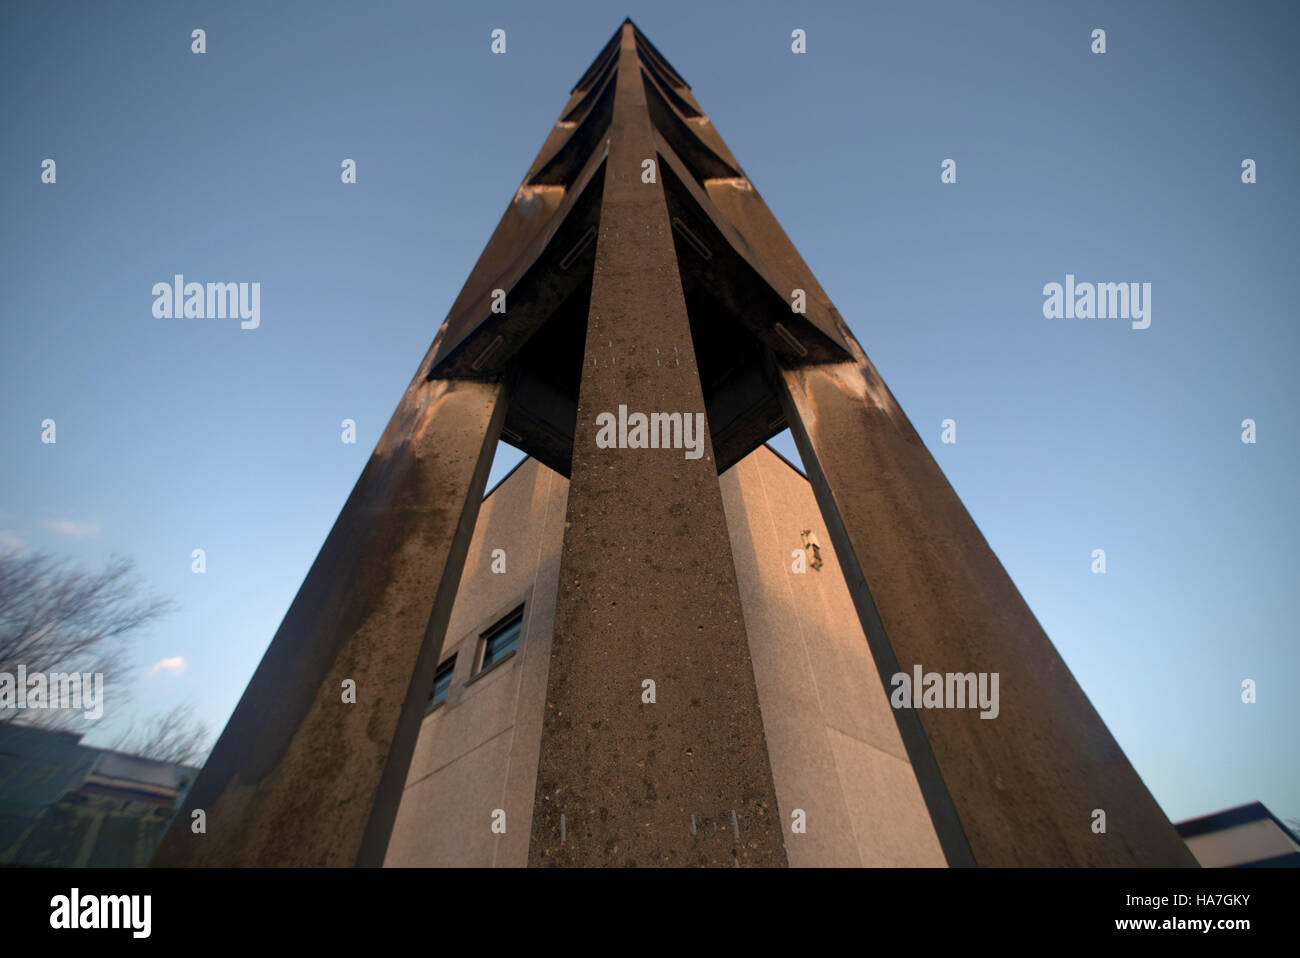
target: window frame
447 665
491 632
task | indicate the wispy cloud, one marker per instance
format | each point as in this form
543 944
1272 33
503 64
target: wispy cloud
70 527
175 665
9 542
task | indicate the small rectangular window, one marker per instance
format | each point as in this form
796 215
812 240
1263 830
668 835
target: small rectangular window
501 639
442 683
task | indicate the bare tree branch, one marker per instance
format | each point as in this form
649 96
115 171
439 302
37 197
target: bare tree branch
175 736
56 617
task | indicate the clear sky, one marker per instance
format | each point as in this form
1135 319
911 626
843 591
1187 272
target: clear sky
1072 435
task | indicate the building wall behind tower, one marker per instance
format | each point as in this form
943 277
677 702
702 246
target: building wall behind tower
831 736
476 755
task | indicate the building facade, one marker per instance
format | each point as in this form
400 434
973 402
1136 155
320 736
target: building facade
65 804
1248 836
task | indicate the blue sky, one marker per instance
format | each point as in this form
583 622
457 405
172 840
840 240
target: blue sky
1072 434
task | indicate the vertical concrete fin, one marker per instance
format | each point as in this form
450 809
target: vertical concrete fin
309 769
1010 785
647 583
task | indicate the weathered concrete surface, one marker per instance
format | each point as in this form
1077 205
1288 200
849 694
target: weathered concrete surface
647 585
300 777
1018 789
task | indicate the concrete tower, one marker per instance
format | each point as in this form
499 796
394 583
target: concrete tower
638 273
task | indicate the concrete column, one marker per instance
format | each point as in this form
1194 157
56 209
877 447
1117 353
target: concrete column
300 776
647 584
1017 789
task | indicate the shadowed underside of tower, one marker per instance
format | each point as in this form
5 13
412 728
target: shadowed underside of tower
637 272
